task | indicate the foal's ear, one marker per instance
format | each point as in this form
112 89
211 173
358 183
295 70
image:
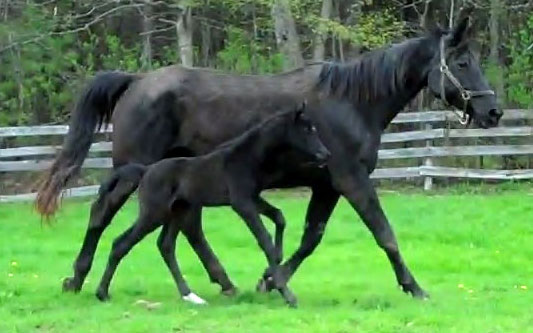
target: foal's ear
300 110
298 115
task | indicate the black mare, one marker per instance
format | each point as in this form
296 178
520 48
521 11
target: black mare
230 175
177 111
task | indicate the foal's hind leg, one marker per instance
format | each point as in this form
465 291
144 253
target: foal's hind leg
276 216
112 195
121 246
167 247
191 226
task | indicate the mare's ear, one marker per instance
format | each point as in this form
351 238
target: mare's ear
461 31
475 47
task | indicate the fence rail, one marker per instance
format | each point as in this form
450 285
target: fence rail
35 158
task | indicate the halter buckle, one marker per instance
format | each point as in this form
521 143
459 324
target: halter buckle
466 95
463 118
444 68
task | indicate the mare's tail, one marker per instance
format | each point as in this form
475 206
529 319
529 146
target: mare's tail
94 108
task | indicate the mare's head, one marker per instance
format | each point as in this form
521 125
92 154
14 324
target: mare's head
303 136
455 77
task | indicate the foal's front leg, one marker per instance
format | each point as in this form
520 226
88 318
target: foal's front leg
247 210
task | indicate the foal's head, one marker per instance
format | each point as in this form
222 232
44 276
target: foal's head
302 135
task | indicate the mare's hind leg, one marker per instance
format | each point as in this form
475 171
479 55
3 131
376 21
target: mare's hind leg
112 195
167 247
121 246
276 216
191 226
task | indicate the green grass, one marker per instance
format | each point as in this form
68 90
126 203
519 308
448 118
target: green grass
472 252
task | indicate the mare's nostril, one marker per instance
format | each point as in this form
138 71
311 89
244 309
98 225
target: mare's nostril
496 113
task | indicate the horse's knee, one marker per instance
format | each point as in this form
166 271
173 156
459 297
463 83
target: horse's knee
164 245
389 246
279 219
314 236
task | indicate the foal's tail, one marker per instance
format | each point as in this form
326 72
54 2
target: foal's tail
130 173
93 109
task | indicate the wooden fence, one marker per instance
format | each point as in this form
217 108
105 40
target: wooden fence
35 158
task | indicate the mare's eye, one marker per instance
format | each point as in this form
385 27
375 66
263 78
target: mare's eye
462 64
311 128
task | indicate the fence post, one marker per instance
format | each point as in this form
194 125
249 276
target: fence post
428 161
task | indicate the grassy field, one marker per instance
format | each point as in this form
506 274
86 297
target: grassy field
472 252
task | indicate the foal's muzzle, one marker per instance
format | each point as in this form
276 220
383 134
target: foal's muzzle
322 157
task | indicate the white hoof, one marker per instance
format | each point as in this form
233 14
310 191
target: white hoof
194 299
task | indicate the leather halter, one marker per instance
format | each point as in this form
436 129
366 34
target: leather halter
466 94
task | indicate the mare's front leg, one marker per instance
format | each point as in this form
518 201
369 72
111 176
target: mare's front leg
112 195
323 200
276 216
247 210
191 226
357 187
121 246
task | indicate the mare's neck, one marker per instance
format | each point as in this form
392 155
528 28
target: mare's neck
420 56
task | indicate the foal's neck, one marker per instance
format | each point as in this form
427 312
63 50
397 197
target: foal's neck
265 140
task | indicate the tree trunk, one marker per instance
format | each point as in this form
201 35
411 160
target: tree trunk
184 32
206 44
146 57
286 35
495 12
352 21
321 35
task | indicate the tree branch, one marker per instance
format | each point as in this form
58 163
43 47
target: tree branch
85 26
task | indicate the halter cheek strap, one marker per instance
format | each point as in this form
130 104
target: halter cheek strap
466 94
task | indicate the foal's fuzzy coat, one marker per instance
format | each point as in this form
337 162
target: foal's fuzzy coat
230 175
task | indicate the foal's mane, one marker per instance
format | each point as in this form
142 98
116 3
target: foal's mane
269 121
374 75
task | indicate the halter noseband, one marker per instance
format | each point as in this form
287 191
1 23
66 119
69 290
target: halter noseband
466 94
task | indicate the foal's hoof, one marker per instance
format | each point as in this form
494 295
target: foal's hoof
230 292
291 301
265 285
194 299
102 295
70 285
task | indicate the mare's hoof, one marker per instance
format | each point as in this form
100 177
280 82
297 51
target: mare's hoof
102 295
230 292
69 285
194 299
415 292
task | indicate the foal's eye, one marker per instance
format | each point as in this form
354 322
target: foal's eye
312 129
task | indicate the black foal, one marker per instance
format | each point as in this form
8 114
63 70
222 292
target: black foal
233 175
